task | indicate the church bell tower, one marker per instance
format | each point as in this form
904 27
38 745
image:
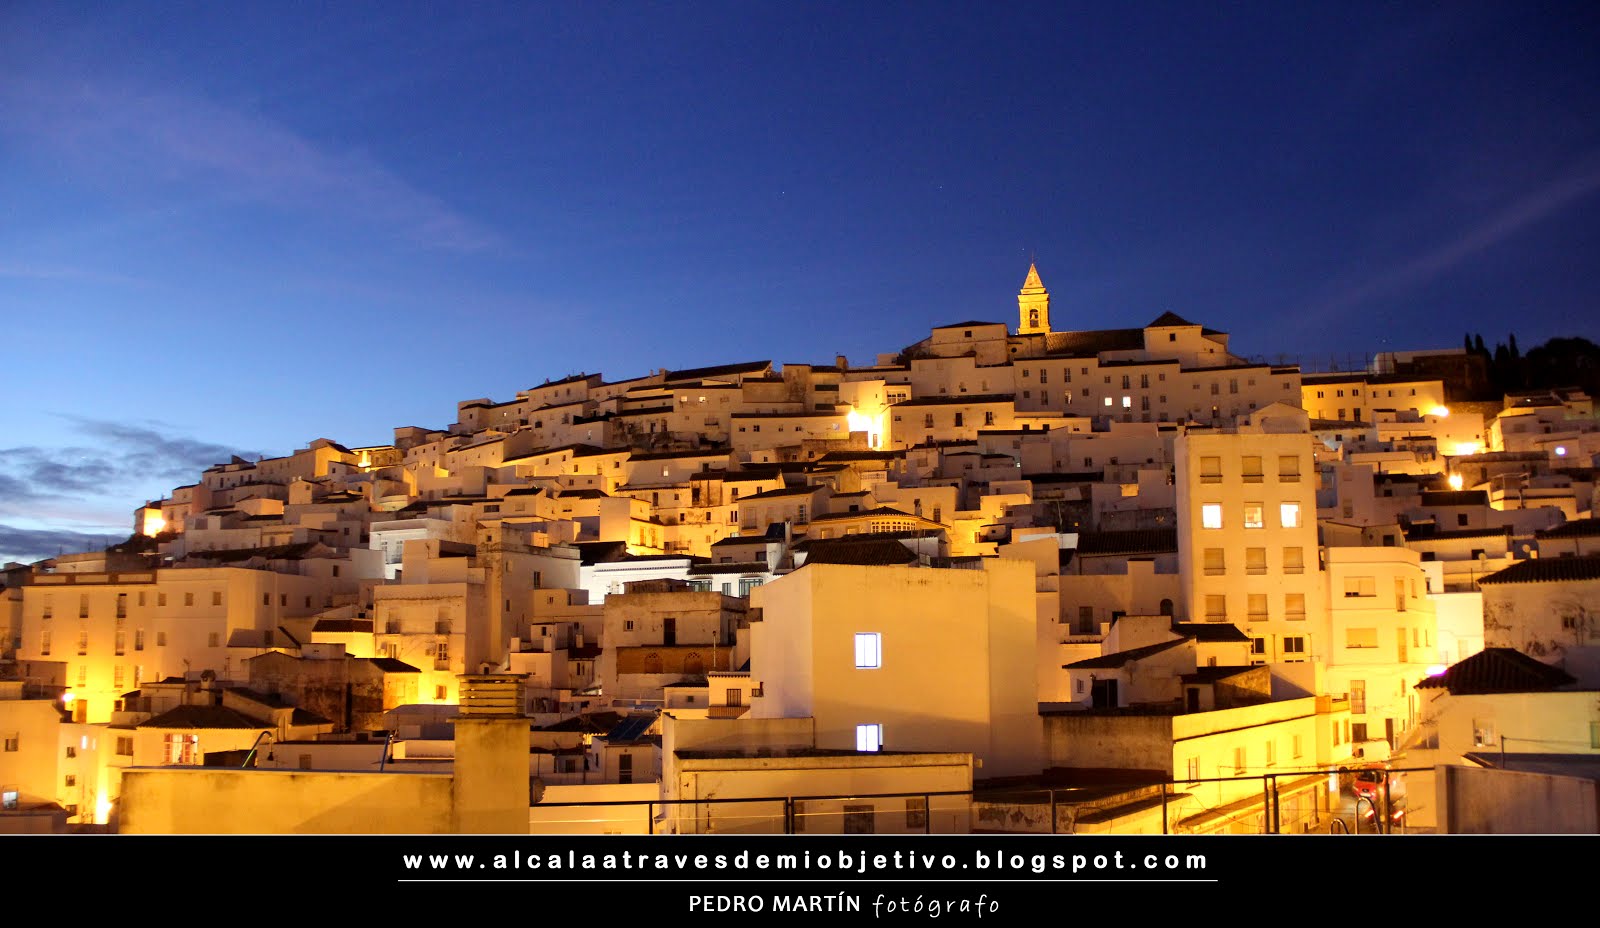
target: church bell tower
1033 305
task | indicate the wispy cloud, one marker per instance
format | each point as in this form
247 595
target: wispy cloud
120 455
185 139
27 545
1539 203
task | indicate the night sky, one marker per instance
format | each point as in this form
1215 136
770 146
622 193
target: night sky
227 228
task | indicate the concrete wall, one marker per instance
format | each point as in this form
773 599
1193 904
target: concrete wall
215 800
1477 801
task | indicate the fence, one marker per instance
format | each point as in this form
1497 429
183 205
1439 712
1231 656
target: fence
1301 801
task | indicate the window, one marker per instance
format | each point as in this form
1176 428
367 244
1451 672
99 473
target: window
735 697
71 780
13 743
44 643
72 751
1294 561
161 639
1289 515
1358 697
441 693
1250 466
188 599
1272 753
627 625
1256 604
1254 515
83 643
1483 733
1294 644
960 420
122 605
216 597
869 651
1289 468
48 607
1193 769
1255 561
1360 586
1086 618
161 599
1294 606
1211 515
1258 645
869 737
121 643
1238 760
917 810
83 605
927 420
1214 564
1361 638
125 747
1216 606
180 749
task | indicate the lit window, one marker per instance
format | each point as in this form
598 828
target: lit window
869 651
1254 515
1289 514
1211 515
1108 401
1127 402
869 737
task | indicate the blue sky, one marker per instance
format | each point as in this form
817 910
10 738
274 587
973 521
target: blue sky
235 227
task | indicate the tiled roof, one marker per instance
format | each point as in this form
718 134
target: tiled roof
880 511
1455 498
305 717
958 400
1213 674
1577 528
1433 533
392 665
781 491
202 717
1547 570
342 625
873 552
1134 541
1123 657
740 540
966 325
1168 319
1499 670
1089 344
696 373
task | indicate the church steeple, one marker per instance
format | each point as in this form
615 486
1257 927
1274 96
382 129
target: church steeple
1033 305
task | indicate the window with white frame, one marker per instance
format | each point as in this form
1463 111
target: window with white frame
869 737
1289 515
869 650
1211 515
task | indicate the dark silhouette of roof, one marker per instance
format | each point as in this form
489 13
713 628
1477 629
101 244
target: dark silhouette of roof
1210 631
1577 528
1122 658
876 552
202 717
1133 541
1169 319
1547 570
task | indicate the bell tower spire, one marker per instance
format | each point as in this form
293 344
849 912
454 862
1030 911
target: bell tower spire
1033 305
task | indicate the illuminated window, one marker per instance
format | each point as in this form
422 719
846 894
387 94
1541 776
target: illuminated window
1108 400
869 737
869 651
1211 515
1289 515
1127 402
1254 515
1361 638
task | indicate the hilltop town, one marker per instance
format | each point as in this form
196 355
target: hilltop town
1011 577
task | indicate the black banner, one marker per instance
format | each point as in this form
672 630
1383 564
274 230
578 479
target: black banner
873 877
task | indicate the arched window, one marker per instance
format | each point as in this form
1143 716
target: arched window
693 663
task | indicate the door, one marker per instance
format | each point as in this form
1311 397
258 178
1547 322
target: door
669 632
625 768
